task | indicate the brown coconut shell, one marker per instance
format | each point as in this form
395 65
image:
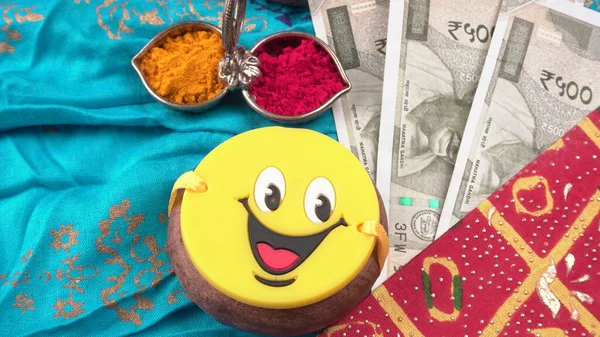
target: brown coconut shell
275 322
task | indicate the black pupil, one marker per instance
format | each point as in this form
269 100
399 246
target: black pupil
324 210
272 201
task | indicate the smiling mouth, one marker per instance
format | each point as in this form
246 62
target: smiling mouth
278 254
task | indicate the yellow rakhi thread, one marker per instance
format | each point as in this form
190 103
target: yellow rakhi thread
189 181
382 245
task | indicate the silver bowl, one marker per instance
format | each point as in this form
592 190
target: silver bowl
173 31
309 115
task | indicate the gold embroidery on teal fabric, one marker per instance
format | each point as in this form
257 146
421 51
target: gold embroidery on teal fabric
172 297
24 302
68 308
126 248
47 277
27 255
114 16
21 15
17 278
117 239
107 227
149 17
162 218
64 238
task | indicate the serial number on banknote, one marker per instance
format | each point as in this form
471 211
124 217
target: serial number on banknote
572 89
479 33
400 232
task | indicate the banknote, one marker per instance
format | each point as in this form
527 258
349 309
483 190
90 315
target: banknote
510 5
446 43
395 64
356 30
542 76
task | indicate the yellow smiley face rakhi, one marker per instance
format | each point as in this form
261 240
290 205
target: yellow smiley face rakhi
277 231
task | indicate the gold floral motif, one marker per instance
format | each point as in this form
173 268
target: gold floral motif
26 257
172 297
24 303
125 315
162 218
74 273
149 17
24 279
17 278
151 244
108 295
13 34
75 280
29 16
117 240
59 242
114 16
67 309
47 278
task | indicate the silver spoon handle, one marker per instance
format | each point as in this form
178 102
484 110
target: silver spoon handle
239 68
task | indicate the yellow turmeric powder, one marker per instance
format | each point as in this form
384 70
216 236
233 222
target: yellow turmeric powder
185 68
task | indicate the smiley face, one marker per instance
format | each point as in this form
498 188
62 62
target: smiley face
278 224
277 253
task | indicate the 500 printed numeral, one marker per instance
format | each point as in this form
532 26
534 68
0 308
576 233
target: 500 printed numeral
553 129
571 89
480 33
473 78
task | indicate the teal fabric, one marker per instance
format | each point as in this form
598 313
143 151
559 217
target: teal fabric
87 161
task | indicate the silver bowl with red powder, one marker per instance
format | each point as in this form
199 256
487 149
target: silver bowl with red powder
306 116
289 77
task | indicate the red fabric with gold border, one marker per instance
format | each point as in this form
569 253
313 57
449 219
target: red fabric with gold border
523 263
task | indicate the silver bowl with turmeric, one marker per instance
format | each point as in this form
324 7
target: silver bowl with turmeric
180 66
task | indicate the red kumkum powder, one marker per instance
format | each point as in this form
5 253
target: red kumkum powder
296 77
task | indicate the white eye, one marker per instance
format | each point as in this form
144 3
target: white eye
269 189
319 200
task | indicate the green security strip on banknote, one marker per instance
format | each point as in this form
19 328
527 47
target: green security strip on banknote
541 77
431 203
435 58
